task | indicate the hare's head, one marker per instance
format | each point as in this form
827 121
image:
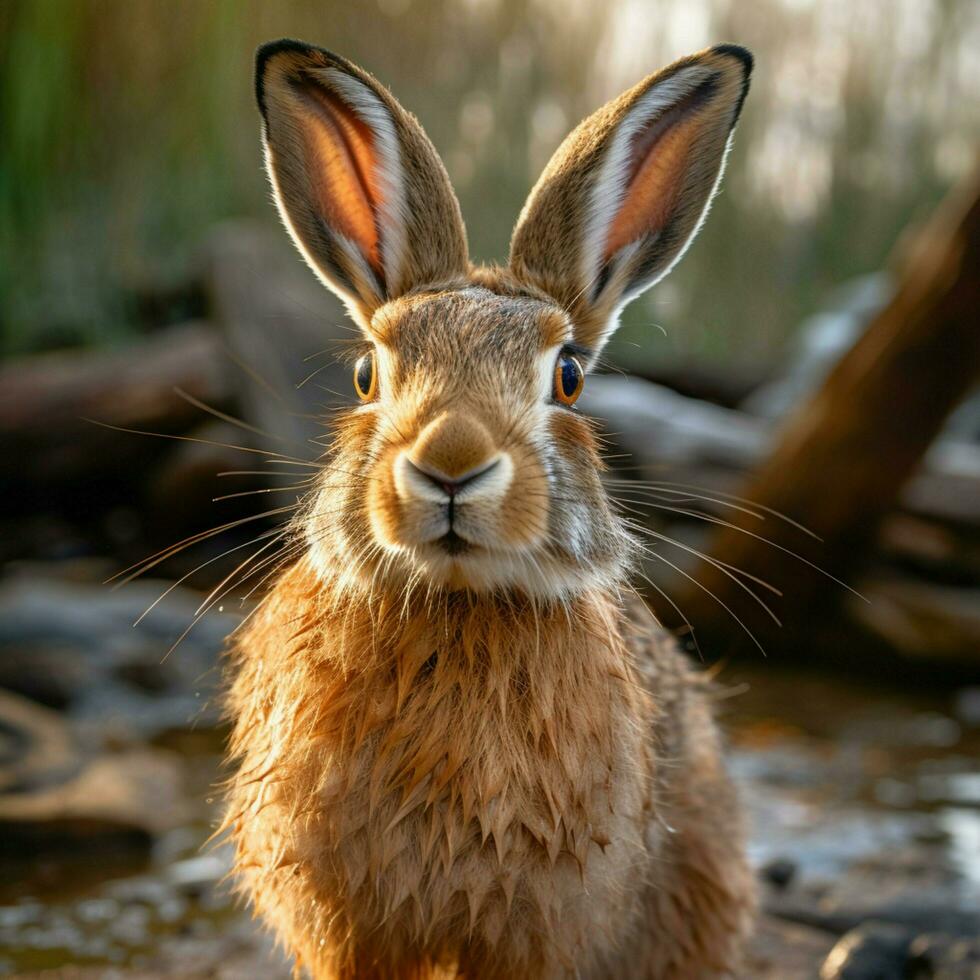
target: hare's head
466 464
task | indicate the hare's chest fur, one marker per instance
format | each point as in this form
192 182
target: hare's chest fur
463 821
455 796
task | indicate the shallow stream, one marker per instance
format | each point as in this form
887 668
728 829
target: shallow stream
858 796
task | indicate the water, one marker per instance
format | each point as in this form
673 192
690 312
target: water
848 782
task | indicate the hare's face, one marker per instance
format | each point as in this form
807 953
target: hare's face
466 466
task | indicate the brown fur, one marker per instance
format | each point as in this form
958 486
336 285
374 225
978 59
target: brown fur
552 220
460 751
484 787
290 74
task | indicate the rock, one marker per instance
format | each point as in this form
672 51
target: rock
123 681
967 706
784 951
195 875
779 871
118 801
936 909
933 957
50 676
241 952
872 951
36 748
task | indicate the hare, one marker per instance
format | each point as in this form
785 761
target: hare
461 749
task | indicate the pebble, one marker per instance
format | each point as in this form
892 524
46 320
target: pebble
933 957
779 871
872 951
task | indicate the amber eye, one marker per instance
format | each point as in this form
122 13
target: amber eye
365 377
569 379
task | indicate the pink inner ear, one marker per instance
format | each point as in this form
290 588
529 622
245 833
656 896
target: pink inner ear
342 166
659 162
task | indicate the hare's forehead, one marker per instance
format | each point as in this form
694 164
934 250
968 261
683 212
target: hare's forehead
470 328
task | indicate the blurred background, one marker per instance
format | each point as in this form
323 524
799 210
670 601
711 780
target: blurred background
815 354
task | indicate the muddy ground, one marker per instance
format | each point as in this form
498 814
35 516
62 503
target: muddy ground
864 802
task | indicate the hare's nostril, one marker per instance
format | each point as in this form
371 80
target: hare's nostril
451 485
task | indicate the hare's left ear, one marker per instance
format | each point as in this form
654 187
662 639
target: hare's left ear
625 194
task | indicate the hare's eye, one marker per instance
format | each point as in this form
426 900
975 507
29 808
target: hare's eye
366 377
569 379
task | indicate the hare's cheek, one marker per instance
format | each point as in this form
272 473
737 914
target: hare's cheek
385 510
397 518
523 515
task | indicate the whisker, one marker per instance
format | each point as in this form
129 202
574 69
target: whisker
252 493
669 487
720 602
204 564
711 519
673 605
278 457
313 374
261 473
145 564
255 376
211 601
224 416
678 496
723 568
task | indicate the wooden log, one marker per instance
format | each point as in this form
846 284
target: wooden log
657 434
931 550
663 430
726 385
919 620
46 401
841 460
947 485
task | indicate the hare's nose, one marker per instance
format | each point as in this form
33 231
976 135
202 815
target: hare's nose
452 447
453 457
451 485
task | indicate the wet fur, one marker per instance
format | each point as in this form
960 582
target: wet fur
484 764
576 818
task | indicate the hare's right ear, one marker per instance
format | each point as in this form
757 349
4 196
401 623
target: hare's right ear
358 184
624 195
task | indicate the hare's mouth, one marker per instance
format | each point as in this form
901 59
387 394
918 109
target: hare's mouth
453 544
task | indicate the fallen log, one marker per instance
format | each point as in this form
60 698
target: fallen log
930 549
47 401
727 385
657 434
921 621
665 431
842 459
